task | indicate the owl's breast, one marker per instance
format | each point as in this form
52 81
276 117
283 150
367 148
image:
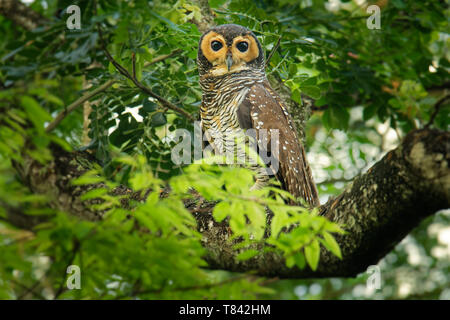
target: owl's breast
219 109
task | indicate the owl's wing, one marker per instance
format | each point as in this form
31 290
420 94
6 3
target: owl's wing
263 109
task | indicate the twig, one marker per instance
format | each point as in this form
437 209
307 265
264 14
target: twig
138 84
269 281
196 287
279 64
437 106
31 289
88 95
77 103
133 64
445 85
163 57
273 51
343 180
319 108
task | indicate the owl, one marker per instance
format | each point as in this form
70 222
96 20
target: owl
236 95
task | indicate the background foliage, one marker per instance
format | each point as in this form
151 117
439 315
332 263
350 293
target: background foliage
370 87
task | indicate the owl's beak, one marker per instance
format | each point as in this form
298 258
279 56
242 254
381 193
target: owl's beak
229 61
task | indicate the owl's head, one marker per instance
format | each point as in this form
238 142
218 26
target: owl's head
227 49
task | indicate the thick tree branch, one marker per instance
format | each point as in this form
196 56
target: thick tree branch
208 15
378 209
20 14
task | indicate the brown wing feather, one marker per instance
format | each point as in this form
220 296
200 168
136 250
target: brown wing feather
263 109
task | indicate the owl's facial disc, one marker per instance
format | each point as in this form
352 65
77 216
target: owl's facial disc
228 57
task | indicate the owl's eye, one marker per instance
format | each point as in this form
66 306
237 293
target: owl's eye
242 46
216 45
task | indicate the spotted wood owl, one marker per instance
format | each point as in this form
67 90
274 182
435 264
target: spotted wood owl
237 95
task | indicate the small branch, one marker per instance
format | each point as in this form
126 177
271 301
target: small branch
444 86
133 64
437 107
138 84
89 95
163 57
315 108
273 51
343 180
28 290
20 14
77 103
190 288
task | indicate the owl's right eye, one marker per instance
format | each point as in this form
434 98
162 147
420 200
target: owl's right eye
216 45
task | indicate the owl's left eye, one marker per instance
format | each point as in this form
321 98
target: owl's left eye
216 45
242 46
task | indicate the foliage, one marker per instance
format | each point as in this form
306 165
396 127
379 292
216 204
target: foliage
370 88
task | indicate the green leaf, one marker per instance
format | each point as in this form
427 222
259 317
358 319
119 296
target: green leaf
299 260
221 211
290 261
37 115
330 243
141 181
370 111
333 227
111 68
148 106
311 91
296 96
216 3
94 193
336 117
247 254
89 177
279 221
312 254
158 119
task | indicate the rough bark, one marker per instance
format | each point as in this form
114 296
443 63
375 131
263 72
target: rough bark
207 20
378 209
20 14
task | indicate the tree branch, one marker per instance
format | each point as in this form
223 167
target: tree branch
208 15
277 45
138 84
378 209
20 14
190 288
89 95
437 107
